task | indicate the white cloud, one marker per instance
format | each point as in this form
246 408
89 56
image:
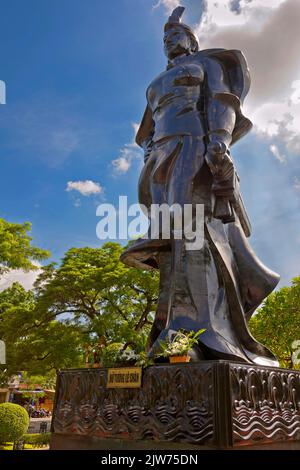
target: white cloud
236 12
26 279
128 153
86 188
122 163
268 33
2 92
296 184
168 4
279 120
277 154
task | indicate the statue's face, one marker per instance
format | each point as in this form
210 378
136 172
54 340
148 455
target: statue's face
176 42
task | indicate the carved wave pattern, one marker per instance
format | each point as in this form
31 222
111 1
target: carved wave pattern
175 403
265 404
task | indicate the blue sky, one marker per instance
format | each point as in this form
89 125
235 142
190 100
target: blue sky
76 73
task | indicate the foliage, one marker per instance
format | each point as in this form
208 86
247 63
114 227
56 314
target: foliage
6 446
119 354
35 344
4 377
33 396
37 440
276 323
46 381
143 360
100 295
53 346
114 355
30 441
180 343
90 298
14 422
16 251
94 287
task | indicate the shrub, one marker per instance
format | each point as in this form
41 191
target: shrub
14 422
37 440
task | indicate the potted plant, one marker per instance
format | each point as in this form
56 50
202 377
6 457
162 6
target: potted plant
177 347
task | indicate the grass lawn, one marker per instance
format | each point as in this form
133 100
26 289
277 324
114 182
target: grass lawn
9 446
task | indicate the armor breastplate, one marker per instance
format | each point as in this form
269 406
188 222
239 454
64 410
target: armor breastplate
174 100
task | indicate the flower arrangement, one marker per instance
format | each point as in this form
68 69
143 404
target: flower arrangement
114 355
128 356
179 344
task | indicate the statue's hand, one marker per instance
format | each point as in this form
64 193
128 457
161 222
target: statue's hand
224 184
215 156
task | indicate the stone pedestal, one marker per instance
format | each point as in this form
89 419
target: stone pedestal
210 404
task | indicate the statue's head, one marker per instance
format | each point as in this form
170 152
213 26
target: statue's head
179 38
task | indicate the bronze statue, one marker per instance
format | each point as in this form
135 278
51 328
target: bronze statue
193 116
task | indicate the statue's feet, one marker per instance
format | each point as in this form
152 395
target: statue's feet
211 346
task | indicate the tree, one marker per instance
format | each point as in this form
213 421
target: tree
95 289
90 298
277 322
16 251
32 344
14 422
46 381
